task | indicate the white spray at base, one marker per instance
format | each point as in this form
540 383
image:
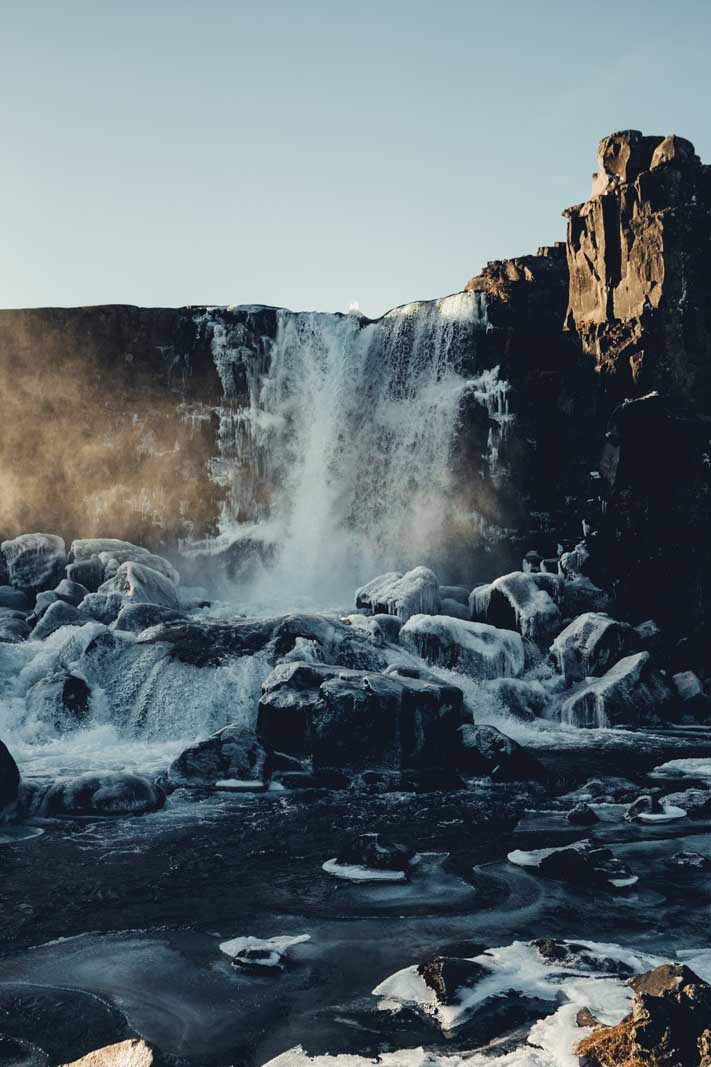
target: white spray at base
342 461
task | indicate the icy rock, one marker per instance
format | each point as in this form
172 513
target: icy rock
103 794
687 686
72 592
112 560
363 720
135 618
335 642
289 696
57 615
390 626
694 861
579 864
488 752
632 692
460 593
86 572
590 645
454 608
9 779
61 700
376 852
580 956
648 636
13 626
441 988
42 602
609 790
134 1053
35 561
695 802
103 607
14 599
518 697
477 649
142 585
261 955
572 564
404 595
231 753
582 815
522 602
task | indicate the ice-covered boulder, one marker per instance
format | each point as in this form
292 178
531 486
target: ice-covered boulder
102 607
13 626
35 561
460 593
630 693
695 802
57 615
87 572
9 779
14 599
135 618
376 852
60 700
477 649
404 595
444 988
103 794
72 592
582 815
520 601
142 585
262 955
590 645
486 751
363 720
581 864
521 698
454 608
132 1053
231 754
688 687
112 560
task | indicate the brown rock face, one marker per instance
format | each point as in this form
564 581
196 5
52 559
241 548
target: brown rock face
639 268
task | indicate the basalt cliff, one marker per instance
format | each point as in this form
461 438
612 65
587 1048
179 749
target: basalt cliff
588 399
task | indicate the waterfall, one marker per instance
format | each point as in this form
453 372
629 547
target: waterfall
341 456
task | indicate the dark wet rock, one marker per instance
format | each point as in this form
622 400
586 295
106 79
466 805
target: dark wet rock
376 851
590 645
9 778
135 618
14 599
643 805
57 614
667 1027
207 643
364 720
573 954
35 561
478 649
61 1022
231 754
647 636
13 626
582 815
289 695
142 585
449 977
416 592
633 692
486 751
695 802
61 700
390 626
103 794
103 607
72 592
586 865
86 572
584 1018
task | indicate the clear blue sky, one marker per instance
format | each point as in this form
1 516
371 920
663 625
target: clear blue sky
313 152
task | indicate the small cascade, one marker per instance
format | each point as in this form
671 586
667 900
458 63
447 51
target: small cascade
335 440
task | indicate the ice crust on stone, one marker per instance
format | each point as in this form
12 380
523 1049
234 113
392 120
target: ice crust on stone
477 649
404 595
270 952
698 767
142 585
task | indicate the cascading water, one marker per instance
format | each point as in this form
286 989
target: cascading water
342 460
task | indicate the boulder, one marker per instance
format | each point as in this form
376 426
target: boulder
9 779
590 645
112 560
103 607
61 700
475 648
35 561
454 608
668 1024
135 618
14 599
42 602
289 695
631 693
13 626
364 720
582 815
695 802
609 790
518 697
390 626
450 977
262 955
460 593
72 592
134 1053
520 601
142 585
86 572
688 687
486 751
692 861
404 595
57 615
375 851
231 754
582 864
103 794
